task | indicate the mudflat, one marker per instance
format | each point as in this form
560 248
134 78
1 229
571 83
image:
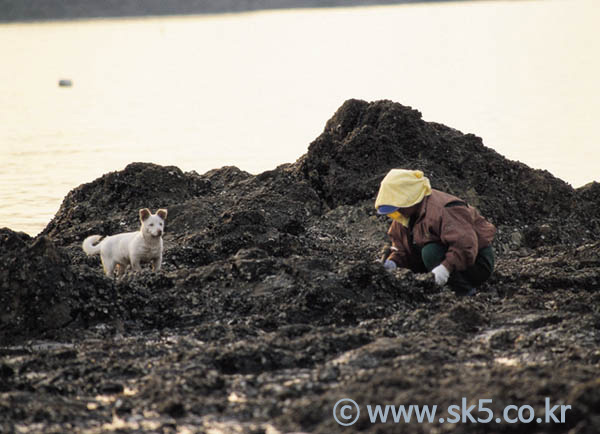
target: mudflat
272 306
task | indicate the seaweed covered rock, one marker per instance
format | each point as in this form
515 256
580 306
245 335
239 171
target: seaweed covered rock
34 284
296 243
363 141
110 204
42 292
271 304
586 206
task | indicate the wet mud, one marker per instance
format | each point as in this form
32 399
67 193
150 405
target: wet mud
271 305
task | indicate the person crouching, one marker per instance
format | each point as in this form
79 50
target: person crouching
435 232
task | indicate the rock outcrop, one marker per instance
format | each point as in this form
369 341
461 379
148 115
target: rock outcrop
271 306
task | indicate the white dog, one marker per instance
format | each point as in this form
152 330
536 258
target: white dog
131 248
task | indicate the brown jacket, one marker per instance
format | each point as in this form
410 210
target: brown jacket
444 219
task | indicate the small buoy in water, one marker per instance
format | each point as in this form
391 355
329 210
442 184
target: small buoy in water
65 83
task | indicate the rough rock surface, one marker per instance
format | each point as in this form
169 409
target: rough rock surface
271 306
28 10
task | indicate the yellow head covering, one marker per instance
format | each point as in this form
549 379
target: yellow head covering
402 188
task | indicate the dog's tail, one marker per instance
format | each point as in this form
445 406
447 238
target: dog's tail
91 245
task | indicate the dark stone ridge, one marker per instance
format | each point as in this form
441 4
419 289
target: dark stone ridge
271 307
364 140
29 10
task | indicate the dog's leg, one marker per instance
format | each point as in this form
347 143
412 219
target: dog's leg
120 268
135 264
109 267
156 263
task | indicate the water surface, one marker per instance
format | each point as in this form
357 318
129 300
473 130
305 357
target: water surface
254 89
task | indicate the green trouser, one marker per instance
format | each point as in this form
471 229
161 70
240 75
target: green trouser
462 282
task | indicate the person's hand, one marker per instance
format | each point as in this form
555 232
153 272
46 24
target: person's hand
389 264
441 274
384 253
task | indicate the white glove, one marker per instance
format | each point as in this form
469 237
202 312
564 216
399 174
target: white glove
389 264
441 274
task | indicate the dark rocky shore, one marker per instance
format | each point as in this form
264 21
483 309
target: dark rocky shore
33 10
271 306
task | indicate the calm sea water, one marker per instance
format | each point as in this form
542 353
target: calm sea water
253 90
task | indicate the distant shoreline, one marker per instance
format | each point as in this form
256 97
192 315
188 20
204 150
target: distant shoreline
48 10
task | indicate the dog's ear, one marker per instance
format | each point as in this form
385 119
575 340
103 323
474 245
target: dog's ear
144 214
162 213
